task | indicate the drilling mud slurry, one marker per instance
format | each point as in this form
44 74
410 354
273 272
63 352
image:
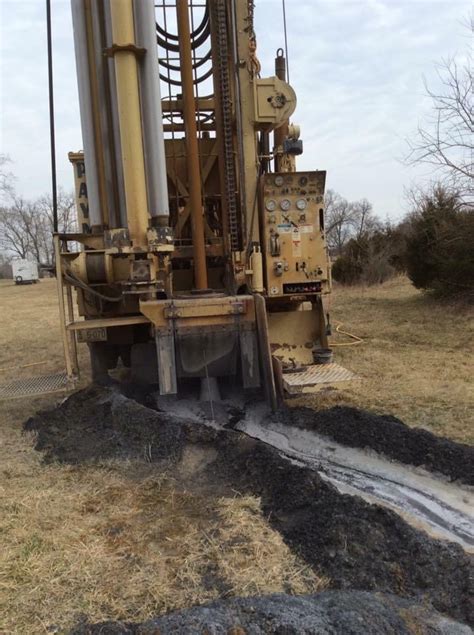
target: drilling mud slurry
358 545
443 509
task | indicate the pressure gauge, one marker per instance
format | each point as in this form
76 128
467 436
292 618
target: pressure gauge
270 205
301 204
279 180
285 204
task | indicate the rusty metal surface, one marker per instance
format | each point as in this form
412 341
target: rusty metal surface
126 320
198 311
314 375
32 386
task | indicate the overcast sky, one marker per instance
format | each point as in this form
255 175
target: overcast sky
357 67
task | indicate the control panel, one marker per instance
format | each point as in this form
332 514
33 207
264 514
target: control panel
292 223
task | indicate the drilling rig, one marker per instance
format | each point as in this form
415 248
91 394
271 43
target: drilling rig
201 250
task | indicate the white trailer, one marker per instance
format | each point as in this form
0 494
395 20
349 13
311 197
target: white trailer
25 271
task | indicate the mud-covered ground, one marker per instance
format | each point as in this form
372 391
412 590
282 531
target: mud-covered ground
357 545
389 436
328 613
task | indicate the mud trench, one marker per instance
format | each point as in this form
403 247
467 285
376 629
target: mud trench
392 567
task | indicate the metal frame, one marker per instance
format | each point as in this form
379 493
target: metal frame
69 325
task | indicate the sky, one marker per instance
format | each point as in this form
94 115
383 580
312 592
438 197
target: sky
357 67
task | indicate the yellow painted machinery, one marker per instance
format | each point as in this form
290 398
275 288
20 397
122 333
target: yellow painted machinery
201 251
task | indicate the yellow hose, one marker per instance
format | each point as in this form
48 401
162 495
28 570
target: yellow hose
356 338
3 370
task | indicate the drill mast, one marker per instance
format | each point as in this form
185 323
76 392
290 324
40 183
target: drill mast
196 260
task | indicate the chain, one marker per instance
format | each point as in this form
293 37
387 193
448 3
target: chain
251 10
230 179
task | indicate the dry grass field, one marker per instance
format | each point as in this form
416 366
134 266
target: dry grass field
116 541
416 361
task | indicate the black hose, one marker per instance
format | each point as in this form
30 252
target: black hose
85 287
54 188
195 42
177 69
194 34
198 80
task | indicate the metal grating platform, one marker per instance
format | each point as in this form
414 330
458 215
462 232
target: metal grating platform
314 375
30 386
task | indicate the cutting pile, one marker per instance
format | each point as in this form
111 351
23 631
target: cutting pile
357 546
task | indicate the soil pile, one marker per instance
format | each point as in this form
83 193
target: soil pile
389 436
328 613
357 545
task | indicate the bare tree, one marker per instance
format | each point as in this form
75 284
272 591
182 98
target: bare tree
339 221
67 218
6 178
446 141
14 235
26 228
364 220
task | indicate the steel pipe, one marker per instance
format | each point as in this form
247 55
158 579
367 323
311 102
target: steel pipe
192 152
128 103
96 112
85 103
280 133
107 106
114 123
152 117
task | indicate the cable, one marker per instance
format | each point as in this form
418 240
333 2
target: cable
286 42
54 189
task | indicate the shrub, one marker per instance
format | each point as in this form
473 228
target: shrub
370 258
439 253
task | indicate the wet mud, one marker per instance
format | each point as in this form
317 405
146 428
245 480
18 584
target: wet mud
359 546
389 436
429 501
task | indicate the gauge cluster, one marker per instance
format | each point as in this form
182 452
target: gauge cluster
292 221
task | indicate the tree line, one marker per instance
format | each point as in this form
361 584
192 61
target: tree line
434 244
26 226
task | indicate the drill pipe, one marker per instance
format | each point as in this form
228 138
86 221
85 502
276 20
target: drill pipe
192 152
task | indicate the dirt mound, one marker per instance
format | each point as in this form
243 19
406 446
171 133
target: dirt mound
357 545
100 424
328 613
390 436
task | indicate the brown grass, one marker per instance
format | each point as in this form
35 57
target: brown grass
103 543
29 329
116 541
416 361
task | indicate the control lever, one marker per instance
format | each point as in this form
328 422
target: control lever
274 244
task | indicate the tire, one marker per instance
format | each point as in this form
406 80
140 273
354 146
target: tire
18 280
